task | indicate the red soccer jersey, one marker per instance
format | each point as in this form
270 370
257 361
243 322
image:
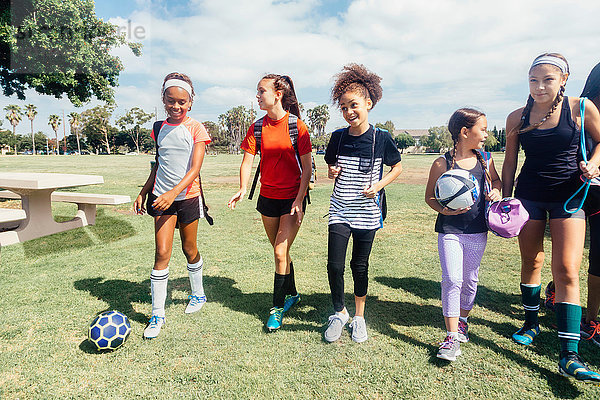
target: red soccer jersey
279 169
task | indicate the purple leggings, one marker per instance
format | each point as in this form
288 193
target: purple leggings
460 256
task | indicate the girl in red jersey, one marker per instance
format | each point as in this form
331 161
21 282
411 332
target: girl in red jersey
173 191
285 173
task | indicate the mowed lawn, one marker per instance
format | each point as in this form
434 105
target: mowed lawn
51 288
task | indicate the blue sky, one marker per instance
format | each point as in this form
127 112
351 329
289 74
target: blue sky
433 56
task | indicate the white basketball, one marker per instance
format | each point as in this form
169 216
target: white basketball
456 189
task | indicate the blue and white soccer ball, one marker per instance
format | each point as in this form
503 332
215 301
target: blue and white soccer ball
109 330
456 189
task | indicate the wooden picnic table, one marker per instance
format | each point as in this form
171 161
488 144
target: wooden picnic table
35 189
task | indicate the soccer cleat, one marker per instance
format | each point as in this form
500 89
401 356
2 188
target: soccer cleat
549 302
571 365
449 349
195 304
463 331
359 329
274 321
154 325
526 334
591 331
290 301
336 324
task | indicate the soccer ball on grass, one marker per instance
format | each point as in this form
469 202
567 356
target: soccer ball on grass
109 330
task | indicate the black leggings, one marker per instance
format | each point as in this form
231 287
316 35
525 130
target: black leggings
362 241
594 223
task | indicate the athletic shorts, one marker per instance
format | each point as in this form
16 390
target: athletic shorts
187 210
539 210
276 207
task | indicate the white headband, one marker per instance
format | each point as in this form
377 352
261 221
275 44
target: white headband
178 83
552 60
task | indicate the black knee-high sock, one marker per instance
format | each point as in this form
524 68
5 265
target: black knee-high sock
278 290
290 284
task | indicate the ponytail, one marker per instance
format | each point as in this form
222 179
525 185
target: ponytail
289 101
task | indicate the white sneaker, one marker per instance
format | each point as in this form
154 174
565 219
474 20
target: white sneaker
359 329
195 304
336 324
153 328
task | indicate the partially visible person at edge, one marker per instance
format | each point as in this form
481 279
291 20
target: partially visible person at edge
284 182
590 327
355 155
548 129
173 196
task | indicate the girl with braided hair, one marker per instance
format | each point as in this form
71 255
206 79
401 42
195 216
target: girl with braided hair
548 129
285 170
355 156
462 233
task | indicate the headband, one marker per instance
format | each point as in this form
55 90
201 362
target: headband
178 83
552 60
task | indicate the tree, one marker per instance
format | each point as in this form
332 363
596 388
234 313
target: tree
491 142
217 135
236 122
31 112
403 141
132 121
439 138
388 126
74 120
13 116
96 120
54 121
59 48
317 119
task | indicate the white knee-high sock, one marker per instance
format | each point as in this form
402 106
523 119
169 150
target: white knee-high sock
195 273
158 287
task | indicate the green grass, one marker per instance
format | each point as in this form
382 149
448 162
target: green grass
51 288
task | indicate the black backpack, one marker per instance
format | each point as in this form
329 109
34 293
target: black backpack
156 130
293 131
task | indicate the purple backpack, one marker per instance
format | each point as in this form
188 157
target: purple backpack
506 217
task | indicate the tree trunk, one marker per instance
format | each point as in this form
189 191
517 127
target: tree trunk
32 138
57 142
77 136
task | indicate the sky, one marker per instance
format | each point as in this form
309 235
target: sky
433 57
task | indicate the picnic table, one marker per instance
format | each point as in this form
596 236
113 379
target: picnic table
37 191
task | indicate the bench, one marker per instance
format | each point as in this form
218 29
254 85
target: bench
11 215
86 202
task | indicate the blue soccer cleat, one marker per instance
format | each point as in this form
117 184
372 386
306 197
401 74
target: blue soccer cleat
274 321
572 366
290 301
526 334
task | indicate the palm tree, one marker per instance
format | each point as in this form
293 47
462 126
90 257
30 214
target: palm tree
54 121
13 115
31 113
74 123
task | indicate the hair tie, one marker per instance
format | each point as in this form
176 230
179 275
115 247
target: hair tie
178 83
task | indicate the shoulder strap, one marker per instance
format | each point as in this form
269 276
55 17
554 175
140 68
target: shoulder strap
258 133
293 130
156 131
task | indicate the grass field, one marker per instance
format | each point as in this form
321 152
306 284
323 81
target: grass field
51 288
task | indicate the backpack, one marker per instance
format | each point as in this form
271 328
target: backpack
293 132
156 130
380 199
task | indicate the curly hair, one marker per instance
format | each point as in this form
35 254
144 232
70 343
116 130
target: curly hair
180 76
358 79
591 90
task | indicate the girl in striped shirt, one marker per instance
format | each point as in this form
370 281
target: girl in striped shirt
355 156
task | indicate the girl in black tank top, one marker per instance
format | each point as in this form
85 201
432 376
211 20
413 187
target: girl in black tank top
546 128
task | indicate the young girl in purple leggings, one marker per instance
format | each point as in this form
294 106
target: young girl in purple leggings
462 233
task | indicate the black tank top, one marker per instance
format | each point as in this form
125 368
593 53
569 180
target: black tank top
550 172
473 221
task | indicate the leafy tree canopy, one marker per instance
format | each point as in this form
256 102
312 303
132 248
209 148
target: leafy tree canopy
59 48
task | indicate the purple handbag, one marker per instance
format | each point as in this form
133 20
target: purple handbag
506 217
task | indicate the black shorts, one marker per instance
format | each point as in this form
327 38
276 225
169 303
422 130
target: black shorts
187 210
540 210
276 207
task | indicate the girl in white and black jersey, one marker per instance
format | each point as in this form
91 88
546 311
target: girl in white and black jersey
355 156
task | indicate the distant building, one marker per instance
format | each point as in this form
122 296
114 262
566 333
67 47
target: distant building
415 134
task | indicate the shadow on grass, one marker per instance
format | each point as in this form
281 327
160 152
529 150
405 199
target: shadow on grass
546 344
107 229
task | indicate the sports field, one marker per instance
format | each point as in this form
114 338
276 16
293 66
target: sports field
52 287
